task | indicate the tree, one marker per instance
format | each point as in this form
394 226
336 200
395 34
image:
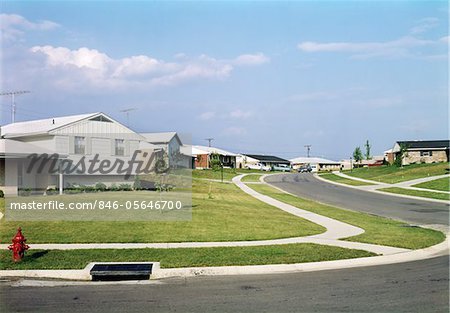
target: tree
214 161
401 154
357 154
368 147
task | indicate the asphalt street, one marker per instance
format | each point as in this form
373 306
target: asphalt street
420 286
410 210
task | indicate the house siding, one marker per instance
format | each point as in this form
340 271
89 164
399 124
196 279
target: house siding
416 157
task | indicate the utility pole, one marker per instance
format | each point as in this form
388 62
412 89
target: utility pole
308 149
209 141
13 101
127 112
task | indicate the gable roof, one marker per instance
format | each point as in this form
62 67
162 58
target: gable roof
48 125
426 144
266 158
304 160
160 138
209 150
42 126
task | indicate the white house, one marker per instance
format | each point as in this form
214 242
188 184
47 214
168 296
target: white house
317 164
95 140
171 143
203 155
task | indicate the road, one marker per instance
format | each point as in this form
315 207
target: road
420 286
410 210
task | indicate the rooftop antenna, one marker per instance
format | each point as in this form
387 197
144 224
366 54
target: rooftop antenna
127 112
209 141
13 101
308 149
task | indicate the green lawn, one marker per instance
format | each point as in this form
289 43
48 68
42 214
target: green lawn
442 184
378 230
343 180
225 214
417 193
251 178
228 173
169 258
393 174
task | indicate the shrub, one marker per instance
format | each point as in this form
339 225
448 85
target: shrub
51 191
2 194
24 192
137 183
113 187
100 187
125 187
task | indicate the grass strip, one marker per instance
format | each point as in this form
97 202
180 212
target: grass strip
343 180
252 178
378 230
442 184
417 193
222 213
192 257
393 174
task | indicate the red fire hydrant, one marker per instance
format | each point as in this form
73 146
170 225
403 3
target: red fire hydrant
18 246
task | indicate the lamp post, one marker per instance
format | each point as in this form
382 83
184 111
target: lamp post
351 165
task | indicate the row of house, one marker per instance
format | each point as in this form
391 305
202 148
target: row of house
98 138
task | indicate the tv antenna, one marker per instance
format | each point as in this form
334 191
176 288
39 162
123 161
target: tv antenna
209 141
127 112
13 101
308 149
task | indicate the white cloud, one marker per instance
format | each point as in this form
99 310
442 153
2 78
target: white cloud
100 69
235 131
424 25
410 45
239 114
207 116
13 26
251 59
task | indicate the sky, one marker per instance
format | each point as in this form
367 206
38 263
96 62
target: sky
258 77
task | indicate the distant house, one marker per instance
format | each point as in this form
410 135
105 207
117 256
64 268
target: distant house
317 164
171 143
204 154
422 151
268 160
75 138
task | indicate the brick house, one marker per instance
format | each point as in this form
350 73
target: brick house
422 151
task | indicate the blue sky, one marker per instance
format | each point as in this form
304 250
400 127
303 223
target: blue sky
259 77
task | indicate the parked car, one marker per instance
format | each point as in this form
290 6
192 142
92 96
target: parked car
305 168
258 166
281 168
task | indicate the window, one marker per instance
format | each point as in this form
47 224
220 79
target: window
119 147
101 118
426 153
80 145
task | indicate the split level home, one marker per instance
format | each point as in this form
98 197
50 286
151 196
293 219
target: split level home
72 140
420 151
203 155
266 160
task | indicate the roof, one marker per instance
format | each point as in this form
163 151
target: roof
160 138
426 144
304 160
209 150
266 158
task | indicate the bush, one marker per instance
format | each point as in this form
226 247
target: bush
125 187
89 189
113 187
100 187
137 183
24 192
2 194
51 191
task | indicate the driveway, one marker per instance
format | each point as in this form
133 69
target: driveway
409 210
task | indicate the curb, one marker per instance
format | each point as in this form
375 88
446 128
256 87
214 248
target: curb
158 273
